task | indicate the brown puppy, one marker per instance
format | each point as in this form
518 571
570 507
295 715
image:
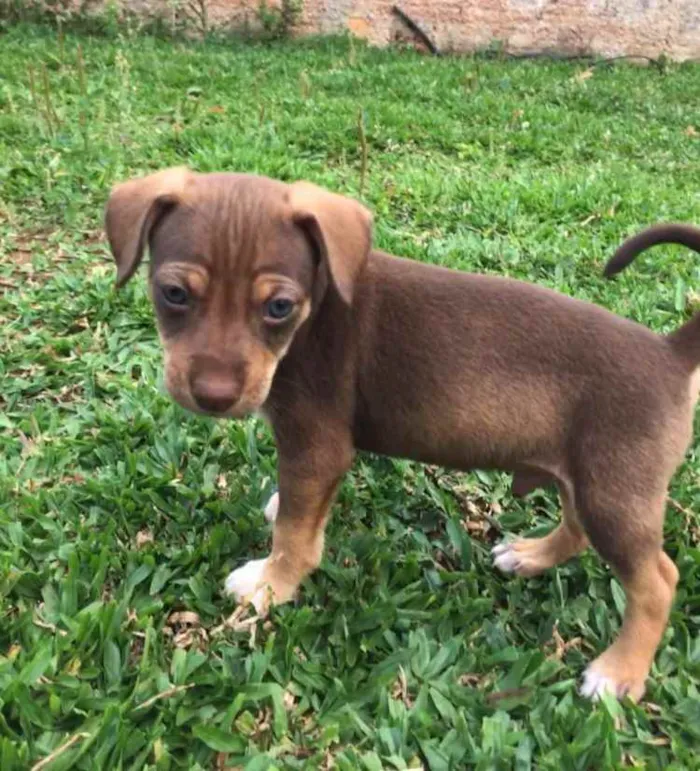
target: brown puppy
269 298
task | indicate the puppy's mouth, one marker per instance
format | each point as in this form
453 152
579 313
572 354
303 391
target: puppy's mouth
236 411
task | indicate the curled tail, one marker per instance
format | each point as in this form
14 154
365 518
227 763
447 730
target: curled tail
686 339
672 233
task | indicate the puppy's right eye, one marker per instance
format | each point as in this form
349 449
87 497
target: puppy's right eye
278 309
175 295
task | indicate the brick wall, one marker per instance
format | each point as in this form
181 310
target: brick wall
603 27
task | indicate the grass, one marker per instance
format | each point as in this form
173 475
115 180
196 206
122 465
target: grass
121 514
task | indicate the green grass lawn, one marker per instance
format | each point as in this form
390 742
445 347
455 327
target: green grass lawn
121 514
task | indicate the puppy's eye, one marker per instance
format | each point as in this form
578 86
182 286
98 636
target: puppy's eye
278 309
175 294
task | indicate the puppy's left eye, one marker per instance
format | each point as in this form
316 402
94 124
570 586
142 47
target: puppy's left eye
175 295
278 309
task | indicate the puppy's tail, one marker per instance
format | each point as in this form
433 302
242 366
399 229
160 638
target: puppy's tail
671 233
686 339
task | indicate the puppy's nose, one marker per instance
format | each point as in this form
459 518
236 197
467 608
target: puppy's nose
215 393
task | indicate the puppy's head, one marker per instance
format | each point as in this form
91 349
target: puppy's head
238 264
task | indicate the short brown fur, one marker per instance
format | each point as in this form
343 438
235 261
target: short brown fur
396 357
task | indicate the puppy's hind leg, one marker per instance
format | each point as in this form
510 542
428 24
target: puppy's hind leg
630 539
532 556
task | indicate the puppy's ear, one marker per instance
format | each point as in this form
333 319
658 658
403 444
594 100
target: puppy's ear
134 207
341 229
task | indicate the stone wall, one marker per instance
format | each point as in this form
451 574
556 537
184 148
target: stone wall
564 27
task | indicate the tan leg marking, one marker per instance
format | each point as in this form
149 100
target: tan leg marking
297 545
532 556
623 668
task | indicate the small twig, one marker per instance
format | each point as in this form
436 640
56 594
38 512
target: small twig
204 17
82 118
508 693
33 90
51 627
164 695
59 751
304 85
592 60
416 29
81 71
61 49
83 129
235 621
495 524
589 219
693 530
47 96
352 53
656 62
679 507
363 152
196 11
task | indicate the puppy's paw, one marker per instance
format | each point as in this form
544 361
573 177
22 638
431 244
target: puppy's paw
245 580
595 684
524 557
247 584
505 557
256 584
600 678
272 507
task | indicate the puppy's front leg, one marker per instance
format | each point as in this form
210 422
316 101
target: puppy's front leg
272 507
307 488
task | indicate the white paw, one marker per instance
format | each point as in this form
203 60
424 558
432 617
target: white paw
273 506
506 558
246 584
596 684
619 678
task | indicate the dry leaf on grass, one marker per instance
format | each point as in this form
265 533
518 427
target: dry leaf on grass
185 628
143 537
399 691
474 680
289 700
561 646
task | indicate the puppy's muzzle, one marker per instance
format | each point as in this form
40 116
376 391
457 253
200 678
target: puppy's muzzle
216 388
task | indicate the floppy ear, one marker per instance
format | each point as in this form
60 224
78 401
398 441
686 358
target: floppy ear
134 207
340 227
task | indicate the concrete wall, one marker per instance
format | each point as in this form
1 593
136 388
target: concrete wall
603 27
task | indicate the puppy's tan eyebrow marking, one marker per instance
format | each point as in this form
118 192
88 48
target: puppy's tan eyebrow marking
195 276
275 268
266 284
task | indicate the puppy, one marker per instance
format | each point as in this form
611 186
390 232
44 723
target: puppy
270 298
